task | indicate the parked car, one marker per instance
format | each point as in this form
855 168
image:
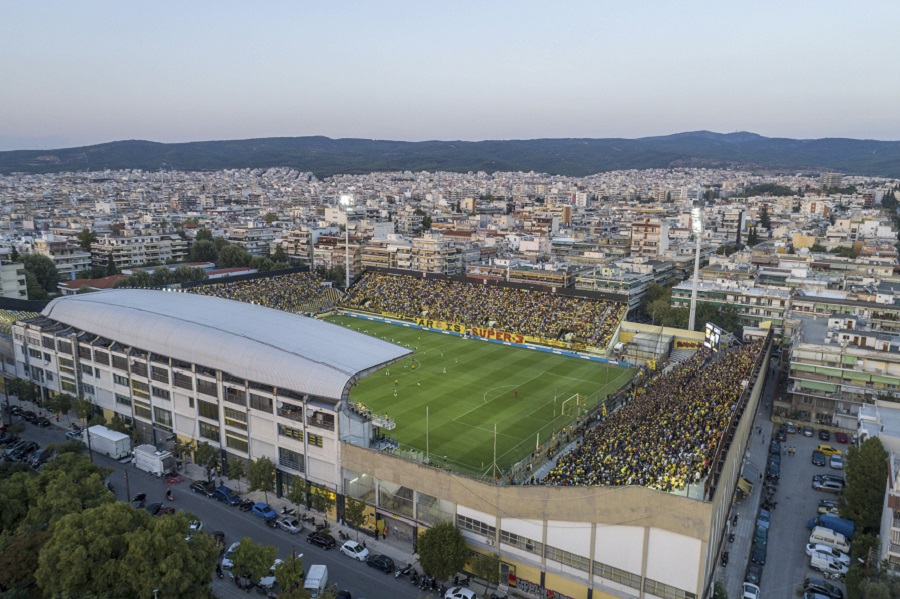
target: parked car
831 477
158 509
355 550
42 421
323 540
29 416
790 427
73 436
763 518
828 450
749 591
381 562
761 537
824 435
267 582
781 434
822 587
840 556
754 574
459 593
818 458
836 462
828 506
808 431
264 511
774 470
292 525
204 488
841 438
15 410
828 486
41 457
758 555
226 561
775 447
227 495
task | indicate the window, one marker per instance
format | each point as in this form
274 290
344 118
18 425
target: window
68 385
208 410
475 526
141 409
47 342
65 347
207 388
660 589
123 399
84 352
258 402
232 379
290 459
567 558
158 374
236 396
235 418
139 368
160 393
101 357
87 369
293 433
162 418
120 363
616 575
34 353
67 366
314 440
159 359
209 431
184 381
260 387
139 389
236 441
88 389
120 380
521 542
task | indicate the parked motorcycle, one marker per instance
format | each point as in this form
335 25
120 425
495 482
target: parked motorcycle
307 518
461 582
724 558
400 572
219 571
345 537
288 511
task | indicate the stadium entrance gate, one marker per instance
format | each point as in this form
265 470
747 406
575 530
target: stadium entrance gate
400 531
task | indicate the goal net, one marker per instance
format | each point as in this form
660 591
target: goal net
575 406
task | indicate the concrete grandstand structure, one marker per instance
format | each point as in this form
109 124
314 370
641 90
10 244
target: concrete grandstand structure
256 382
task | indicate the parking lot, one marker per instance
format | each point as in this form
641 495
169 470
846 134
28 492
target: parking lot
787 564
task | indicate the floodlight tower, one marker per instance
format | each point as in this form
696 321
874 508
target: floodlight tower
347 203
697 226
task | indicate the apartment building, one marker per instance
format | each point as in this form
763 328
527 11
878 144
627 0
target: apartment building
432 252
649 238
256 240
69 258
12 281
129 247
754 305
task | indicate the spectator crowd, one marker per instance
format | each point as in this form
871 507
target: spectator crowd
299 292
668 434
525 312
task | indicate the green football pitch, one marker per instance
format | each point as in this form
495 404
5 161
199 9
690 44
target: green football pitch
468 386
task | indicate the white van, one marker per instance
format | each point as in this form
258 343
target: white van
825 536
827 565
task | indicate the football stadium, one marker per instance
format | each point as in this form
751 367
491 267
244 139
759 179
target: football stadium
498 407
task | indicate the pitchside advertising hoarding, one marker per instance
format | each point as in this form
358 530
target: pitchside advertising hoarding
494 334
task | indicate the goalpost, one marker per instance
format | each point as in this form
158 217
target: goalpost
575 406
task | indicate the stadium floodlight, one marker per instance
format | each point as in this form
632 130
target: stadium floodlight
697 227
347 202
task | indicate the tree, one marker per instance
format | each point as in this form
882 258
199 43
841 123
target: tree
61 403
19 560
764 221
442 550
253 559
354 513
817 247
297 492
261 263
752 237
270 218
487 567
236 471
86 238
262 476
866 473
426 223
33 287
289 574
204 251
203 235
234 255
14 255
206 455
111 268
278 255
845 252
321 500
160 277
83 408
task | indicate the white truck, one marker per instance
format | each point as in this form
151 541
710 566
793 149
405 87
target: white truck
148 459
316 580
108 442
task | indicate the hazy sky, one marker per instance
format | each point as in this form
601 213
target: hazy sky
75 73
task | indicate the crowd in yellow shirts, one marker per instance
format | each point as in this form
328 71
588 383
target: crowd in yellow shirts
295 292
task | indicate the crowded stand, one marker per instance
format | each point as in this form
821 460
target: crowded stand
525 312
668 434
299 292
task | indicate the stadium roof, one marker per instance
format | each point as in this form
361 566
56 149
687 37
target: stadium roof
265 345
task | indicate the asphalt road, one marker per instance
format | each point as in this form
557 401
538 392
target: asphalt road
359 579
787 563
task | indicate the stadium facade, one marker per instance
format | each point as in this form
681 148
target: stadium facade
257 382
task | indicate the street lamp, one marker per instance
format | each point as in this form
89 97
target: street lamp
347 203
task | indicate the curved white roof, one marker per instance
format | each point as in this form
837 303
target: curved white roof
265 345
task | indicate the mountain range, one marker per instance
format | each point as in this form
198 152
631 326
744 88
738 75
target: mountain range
574 157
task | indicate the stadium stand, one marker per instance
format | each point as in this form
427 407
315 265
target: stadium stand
7 317
300 292
668 434
525 312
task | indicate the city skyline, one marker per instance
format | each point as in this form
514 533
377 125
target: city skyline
96 72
